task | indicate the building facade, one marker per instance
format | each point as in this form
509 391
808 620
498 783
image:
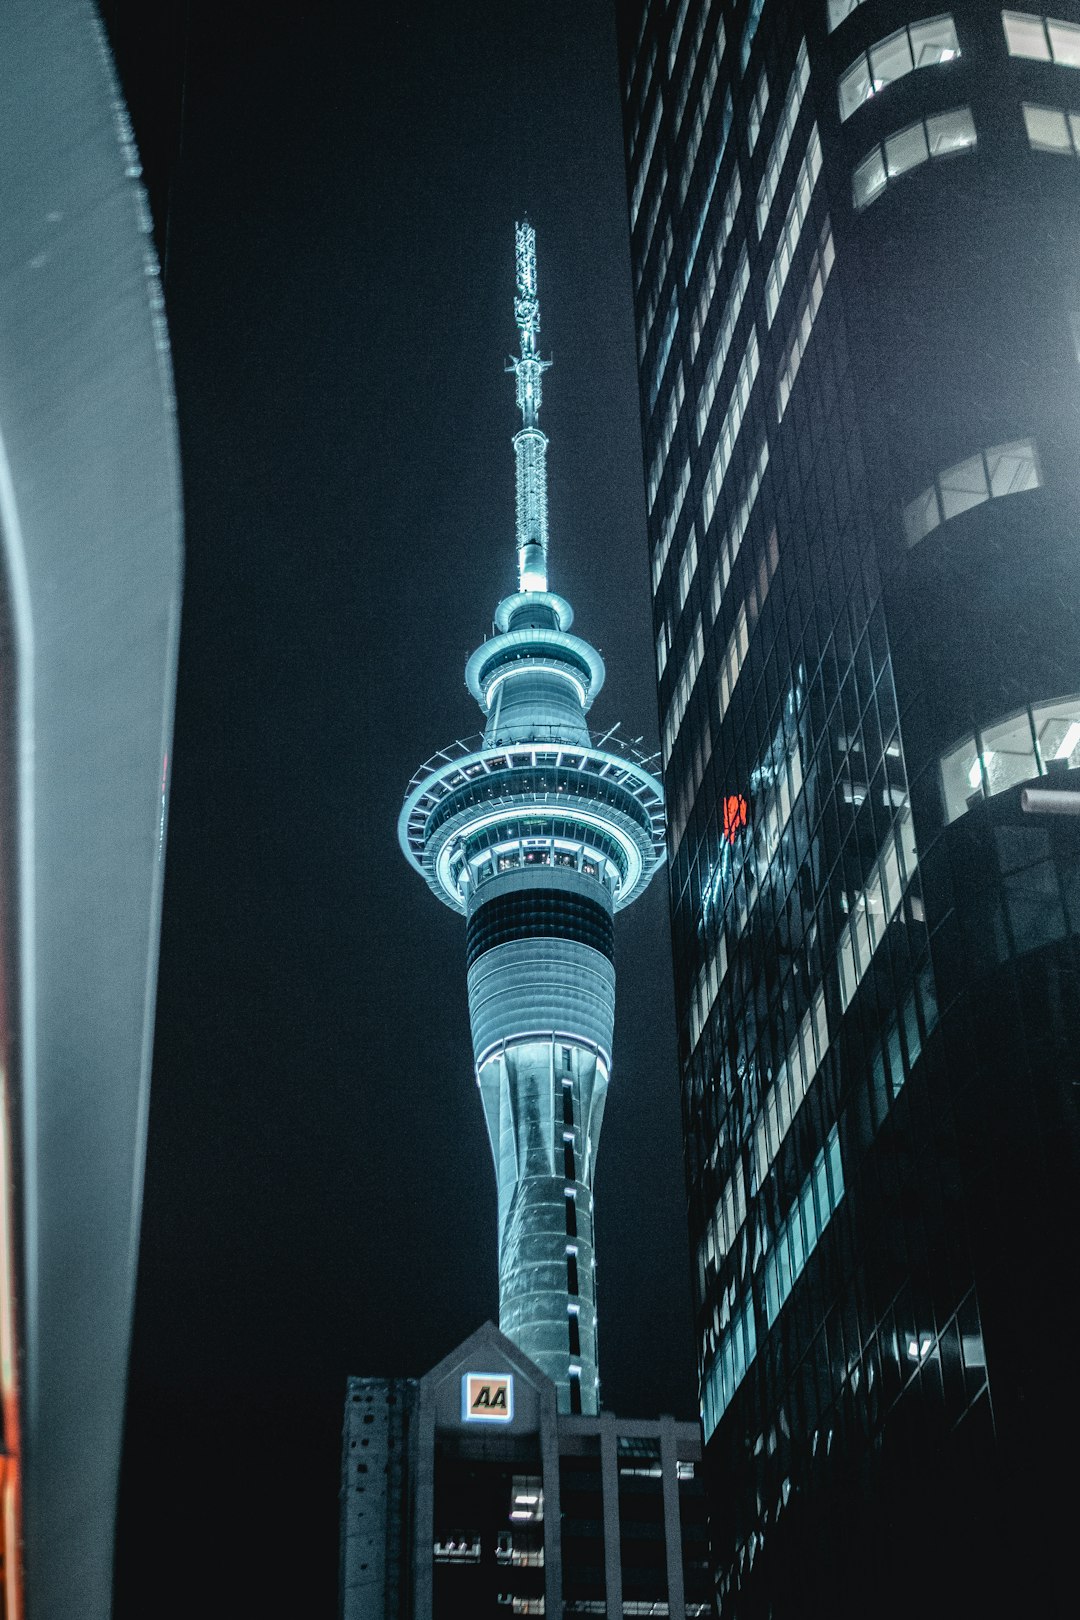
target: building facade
91 559
467 1492
855 244
539 835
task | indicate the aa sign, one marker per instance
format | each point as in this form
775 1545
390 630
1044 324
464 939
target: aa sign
487 1397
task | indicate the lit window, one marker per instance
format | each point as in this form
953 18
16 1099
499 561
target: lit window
1051 130
839 10
789 113
909 148
1004 469
820 266
754 17
1042 39
729 427
687 568
757 110
791 230
922 44
1035 742
728 321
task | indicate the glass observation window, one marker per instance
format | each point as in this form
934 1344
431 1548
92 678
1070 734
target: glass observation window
909 148
921 44
1049 129
1042 39
1034 742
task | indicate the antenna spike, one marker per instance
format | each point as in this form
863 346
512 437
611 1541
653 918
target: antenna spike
530 444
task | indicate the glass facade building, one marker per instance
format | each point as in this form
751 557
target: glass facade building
856 260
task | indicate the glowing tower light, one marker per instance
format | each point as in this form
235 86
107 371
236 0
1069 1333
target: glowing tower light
539 835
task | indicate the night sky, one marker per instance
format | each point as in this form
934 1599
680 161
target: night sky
320 1198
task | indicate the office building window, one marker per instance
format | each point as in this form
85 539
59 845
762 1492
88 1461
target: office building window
687 568
795 219
798 1236
1051 130
757 110
935 137
820 266
919 45
706 201
646 160
1042 39
770 180
728 321
1005 469
729 427
1033 742
712 264
753 18
839 10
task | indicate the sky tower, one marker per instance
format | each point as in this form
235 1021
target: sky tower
539 835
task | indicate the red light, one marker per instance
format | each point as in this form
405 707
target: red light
735 815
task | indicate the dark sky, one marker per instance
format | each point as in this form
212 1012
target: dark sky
319 1194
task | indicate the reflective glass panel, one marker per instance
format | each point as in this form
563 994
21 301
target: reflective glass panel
1057 730
1008 753
963 486
905 150
1012 467
934 41
960 778
839 9
856 87
890 59
921 515
950 132
1064 42
868 181
1047 130
1025 35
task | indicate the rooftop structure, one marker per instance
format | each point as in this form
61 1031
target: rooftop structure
538 835
466 1492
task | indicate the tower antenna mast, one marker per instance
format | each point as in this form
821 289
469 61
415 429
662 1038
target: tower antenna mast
530 444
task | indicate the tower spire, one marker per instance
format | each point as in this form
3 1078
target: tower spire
530 444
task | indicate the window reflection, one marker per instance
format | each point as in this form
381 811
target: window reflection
934 137
1004 469
1033 742
923 44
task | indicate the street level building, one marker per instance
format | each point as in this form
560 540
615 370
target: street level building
855 246
467 1492
538 834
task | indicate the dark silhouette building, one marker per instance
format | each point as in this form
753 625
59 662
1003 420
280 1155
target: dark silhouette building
467 1492
855 249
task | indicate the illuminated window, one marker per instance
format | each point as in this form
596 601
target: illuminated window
695 655
791 230
734 1354
935 137
701 116
663 545
839 10
687 568
736 532
1042 39
712 265
735 815
738 645
757 110
752 20
1005 469
919 45
789 115
798 1236
1051 130
729 427
646 161
706 201
820 266
1032 743
728 321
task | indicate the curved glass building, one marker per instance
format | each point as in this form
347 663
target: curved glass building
538 836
